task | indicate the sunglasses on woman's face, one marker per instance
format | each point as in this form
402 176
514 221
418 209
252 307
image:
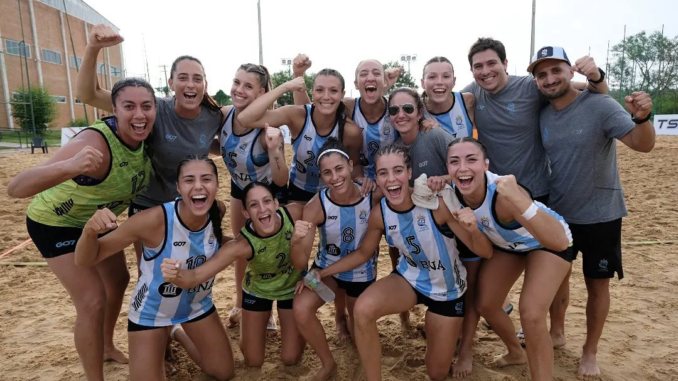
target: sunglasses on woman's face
407 107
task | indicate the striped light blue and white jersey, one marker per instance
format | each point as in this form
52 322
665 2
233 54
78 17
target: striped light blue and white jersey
456 120
509 236
156 303
429 261
305 173
375 135
342 233
245 157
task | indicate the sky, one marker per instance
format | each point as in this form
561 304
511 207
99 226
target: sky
223 34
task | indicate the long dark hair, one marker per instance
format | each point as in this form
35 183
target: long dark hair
214 212
207 100
340 114
249 187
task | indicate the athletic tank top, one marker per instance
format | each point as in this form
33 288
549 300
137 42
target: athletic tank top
270 274
156 303
509 236
305 173
429 261
456 120
341 233
173 138
375 135
71 204
245 157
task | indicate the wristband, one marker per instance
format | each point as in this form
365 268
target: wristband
530 212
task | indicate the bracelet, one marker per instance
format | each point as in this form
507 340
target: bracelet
530 212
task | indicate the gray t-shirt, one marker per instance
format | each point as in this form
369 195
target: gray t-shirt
429 153
508 125
580 143
173 138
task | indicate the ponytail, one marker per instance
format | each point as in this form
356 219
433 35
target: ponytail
215 218
341 120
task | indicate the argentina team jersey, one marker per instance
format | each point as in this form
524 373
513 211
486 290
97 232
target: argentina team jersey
156 303
456 120
305 173
375 135
508 236
429 261
244 156
341 233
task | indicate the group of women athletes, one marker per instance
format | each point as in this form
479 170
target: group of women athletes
348 179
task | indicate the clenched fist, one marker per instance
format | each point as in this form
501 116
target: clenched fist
467 219
103 36
102 221
301 229
300 64
86 161
639 104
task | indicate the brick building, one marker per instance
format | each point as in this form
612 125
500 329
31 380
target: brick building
49 44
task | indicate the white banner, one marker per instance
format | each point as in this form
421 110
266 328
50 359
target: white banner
287 137
67 133
666 124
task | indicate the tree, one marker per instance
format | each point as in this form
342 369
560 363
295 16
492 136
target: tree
44 109
222 98
405 79
646 63
282 76
164 90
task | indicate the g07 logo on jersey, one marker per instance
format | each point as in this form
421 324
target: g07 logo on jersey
179 243
65 243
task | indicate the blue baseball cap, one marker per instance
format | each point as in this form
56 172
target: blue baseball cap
548 53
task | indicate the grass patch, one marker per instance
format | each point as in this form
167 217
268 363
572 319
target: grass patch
53 137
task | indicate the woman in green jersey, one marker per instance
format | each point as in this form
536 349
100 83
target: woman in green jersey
264 242
103 166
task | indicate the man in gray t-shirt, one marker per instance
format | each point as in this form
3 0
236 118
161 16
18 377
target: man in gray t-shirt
579 132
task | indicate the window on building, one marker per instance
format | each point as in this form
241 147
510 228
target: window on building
78 101
116 71
15 47
73 61
51 56
59 98
101 68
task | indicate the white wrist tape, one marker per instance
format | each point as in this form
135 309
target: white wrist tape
530 212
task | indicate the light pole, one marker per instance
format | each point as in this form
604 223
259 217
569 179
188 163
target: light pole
534 11
287 62
261 48
408 58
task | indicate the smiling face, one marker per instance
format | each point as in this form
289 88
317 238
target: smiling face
261 207
553 77
403 121
188 84
438 81
488 70
134 110
327 94
335 170
197 185
467 164
245 89
393 178
370 81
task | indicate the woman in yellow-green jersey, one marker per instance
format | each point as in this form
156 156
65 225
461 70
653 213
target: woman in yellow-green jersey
264 242
103 166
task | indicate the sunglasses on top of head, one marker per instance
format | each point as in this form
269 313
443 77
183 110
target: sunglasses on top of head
407 107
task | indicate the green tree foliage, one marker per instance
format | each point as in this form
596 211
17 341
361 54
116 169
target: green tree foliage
282 76
222 98
405 79
44 109
79 122
647 62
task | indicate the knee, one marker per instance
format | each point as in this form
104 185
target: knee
531 316
484 307
598 288
220 372
290 359
93 303
363 313
303 313
437 371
